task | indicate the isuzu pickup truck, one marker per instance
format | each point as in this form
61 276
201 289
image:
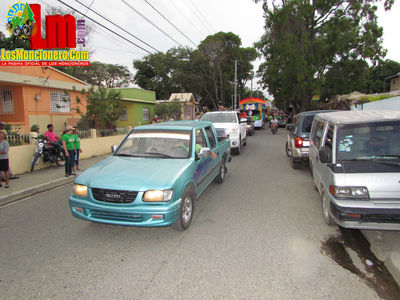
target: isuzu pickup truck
153 176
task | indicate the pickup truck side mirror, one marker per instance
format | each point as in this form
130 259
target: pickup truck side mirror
324 155
204 152
243 120
113 148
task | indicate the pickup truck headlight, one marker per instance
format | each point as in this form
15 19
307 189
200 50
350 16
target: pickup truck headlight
80 190
349 192
157 195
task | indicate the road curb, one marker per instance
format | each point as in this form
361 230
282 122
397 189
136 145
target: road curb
18 195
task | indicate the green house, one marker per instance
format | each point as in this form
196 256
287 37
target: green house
138 107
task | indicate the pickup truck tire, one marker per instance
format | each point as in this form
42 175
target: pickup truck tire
288 151
222 172
185 216
245 142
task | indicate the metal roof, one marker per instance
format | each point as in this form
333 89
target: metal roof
359 116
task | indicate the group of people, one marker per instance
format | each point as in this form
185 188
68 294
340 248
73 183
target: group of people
69 144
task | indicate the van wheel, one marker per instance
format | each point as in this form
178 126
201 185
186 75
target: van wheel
313 178
288 152
295 164
185 216
326 210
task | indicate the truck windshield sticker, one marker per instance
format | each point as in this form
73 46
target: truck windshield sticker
345 144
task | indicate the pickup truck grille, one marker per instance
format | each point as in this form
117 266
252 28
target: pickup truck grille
114 196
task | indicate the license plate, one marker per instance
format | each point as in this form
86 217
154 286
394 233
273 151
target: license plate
306 143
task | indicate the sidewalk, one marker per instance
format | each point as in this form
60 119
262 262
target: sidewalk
384 244
41 180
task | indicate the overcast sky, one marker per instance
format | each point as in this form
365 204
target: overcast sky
194 18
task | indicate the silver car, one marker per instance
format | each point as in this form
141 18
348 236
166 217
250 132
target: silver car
355 162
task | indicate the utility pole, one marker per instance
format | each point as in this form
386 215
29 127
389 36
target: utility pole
235 84
251 90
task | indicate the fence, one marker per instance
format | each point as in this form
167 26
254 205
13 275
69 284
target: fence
15 139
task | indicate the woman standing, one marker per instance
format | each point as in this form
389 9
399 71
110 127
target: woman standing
4 158
77 144
69 148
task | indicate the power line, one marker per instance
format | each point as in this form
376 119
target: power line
144 17
169 22
190 21
213 30
92 10
198 18
105 27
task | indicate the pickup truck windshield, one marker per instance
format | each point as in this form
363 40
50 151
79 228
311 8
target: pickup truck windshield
156 144
220 117
370 141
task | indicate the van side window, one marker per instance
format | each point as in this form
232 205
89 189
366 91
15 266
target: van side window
329 140
318 134
297 123
210 137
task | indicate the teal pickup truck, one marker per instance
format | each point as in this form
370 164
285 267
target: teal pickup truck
153 176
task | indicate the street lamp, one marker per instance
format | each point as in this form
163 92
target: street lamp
251 73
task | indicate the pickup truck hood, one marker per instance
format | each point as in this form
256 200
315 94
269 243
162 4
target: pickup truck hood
133 173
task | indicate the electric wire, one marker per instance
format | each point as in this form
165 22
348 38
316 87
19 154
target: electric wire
201 14
190 21
124 30
165 18
196 15
94 21
148 20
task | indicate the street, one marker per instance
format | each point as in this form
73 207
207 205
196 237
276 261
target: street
259 235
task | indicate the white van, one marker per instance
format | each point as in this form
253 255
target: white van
355 161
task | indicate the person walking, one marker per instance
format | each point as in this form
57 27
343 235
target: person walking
77 144
69 148
4 146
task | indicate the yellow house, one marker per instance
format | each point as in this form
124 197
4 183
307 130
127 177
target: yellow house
137 105
188 104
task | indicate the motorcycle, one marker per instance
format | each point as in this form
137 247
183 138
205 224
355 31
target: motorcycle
274 128
48 153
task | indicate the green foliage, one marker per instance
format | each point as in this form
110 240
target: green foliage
305 39
11 43
168 110
100 74
378 81
102 110
207 72
35 128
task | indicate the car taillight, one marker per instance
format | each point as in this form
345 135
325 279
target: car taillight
298 142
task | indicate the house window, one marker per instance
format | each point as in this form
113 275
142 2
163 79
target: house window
124 114
6 101
59 101
146 114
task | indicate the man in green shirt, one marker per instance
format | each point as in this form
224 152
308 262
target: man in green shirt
69 147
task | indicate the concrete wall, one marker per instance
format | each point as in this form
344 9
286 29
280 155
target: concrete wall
21 156
388 104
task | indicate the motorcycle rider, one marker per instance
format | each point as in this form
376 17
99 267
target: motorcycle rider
54 139
274 123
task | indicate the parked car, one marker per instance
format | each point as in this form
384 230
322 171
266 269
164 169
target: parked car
235 127
355 162
281 121
250 126
154 175
298 140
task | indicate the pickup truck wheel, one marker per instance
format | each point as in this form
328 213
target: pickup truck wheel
222 171
325 210
245 142
239 148
185 216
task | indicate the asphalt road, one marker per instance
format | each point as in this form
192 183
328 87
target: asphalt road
256 236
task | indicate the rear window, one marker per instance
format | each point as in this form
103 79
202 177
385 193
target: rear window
307 122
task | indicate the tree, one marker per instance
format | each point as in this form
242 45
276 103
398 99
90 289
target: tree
378 80
103 108
11 43
101 74
168 110
304 39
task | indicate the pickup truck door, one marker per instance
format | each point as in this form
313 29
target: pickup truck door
203 164
213 145
242 127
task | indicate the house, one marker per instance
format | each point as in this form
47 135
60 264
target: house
394 82
138 107
188 104
35 95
